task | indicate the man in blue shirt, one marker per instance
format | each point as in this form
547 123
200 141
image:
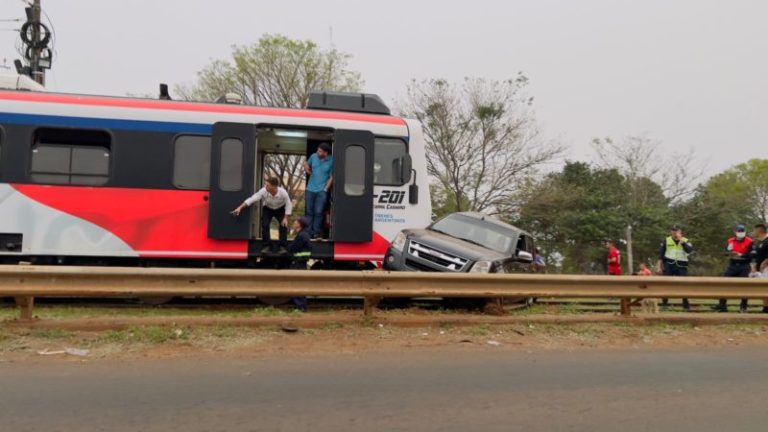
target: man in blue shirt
319 167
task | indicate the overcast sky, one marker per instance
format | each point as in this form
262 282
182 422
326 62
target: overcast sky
691 73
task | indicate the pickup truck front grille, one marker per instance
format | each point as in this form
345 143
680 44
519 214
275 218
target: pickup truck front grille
436 257
415 265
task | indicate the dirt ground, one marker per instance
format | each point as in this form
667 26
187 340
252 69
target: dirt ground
154 337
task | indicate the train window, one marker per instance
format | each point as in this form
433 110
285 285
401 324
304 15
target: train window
525 243
90 166
192 162
386 168
354 171
231 168
71 156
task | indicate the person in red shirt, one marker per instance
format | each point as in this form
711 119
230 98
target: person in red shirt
614 258
644 270
738 249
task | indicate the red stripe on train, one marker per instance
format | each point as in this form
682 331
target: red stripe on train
165 223
152 222
371 251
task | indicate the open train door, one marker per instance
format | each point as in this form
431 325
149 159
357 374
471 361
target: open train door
352 209
233 158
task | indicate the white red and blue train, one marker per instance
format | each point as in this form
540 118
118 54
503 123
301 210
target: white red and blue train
124 180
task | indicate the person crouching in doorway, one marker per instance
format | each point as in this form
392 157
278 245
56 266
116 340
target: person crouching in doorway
276 204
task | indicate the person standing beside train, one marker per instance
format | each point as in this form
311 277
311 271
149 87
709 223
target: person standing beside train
319 167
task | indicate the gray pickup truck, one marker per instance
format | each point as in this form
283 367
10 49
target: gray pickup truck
462 243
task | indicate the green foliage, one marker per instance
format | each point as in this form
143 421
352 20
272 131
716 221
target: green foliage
573 211
52 333
280 72
737 195
444 201
274 71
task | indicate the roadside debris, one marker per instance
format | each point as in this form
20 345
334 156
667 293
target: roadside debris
494 343
288 328
70 351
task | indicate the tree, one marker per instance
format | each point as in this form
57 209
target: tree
573 211
737 195
637 157
276 71
749 183
481 139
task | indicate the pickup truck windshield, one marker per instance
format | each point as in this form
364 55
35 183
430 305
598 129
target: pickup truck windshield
476 231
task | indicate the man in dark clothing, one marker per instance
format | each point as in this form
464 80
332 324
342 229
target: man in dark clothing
738 248
673 259
300 250
759 256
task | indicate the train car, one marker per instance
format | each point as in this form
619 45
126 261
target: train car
108 180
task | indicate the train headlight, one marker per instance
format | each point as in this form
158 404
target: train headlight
399 242
481 267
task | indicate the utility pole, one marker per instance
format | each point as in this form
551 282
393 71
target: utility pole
35 37
630 257
34 62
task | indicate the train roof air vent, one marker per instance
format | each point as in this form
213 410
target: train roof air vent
350 102
230 98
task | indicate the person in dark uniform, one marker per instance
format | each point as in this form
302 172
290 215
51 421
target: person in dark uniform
300 250
759 256
673 259
738 248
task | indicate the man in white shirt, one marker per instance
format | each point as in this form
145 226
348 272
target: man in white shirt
275 204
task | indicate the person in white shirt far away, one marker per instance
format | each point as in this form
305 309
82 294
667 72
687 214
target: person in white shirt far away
275 204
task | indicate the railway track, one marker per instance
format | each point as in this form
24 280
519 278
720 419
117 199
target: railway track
214 304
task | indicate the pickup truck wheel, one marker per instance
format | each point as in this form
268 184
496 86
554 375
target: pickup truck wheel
275 301
155 301
470 304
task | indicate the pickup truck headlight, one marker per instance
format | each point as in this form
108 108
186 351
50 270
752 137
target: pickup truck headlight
399 242
481 267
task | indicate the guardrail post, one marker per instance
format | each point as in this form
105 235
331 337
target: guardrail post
625 305
26 303
369 305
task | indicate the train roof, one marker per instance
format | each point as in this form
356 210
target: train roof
129 103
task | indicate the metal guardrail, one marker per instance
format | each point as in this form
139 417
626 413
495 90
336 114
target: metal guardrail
27 282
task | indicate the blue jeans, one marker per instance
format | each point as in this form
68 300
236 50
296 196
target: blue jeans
315 204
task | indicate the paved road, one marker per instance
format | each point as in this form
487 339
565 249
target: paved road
461 390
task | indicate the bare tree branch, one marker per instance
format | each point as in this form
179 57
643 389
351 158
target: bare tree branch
481 138
637 157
